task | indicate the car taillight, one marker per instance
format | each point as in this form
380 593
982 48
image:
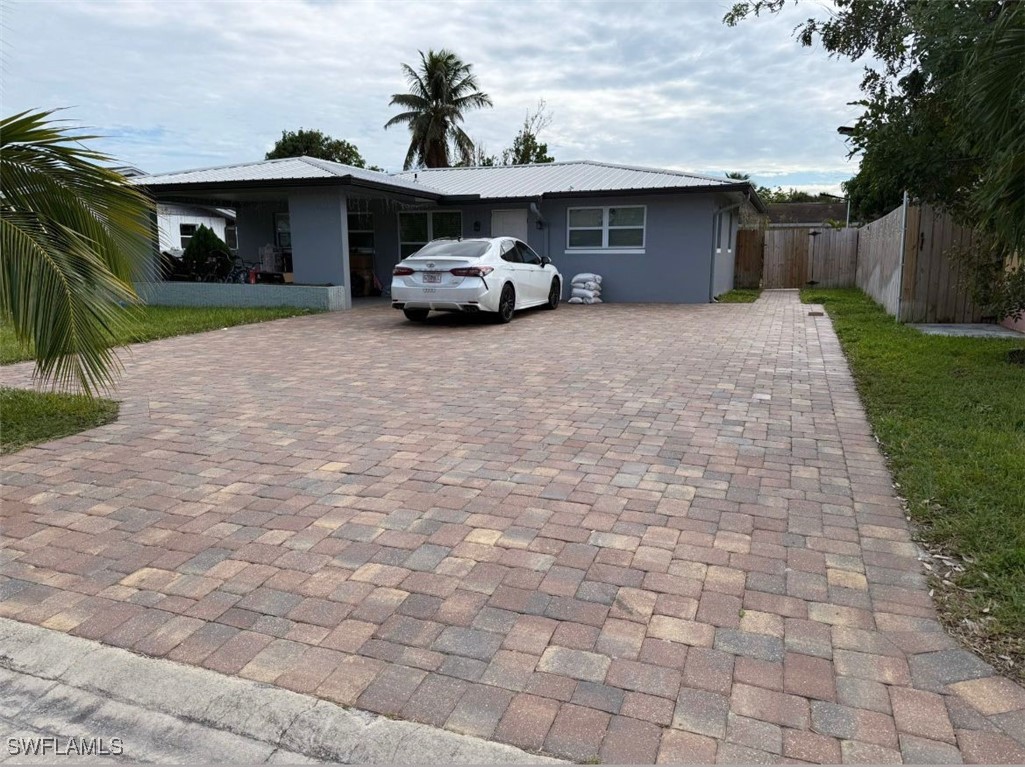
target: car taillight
473 271
401 271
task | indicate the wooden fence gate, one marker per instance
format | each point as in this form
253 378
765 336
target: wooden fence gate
802 256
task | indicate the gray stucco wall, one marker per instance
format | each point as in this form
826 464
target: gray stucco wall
675 264
320 237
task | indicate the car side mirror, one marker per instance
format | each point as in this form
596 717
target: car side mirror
545 260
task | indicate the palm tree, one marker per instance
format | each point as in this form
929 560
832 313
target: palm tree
439 93
74 237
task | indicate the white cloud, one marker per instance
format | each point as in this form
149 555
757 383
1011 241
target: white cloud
191 83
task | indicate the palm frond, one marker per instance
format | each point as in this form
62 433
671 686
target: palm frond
74 236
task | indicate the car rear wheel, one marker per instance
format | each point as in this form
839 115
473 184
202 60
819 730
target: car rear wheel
416 315
554 294
507 304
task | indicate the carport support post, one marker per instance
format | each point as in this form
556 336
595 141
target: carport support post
319 220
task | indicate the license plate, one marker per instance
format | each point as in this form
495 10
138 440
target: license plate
432 277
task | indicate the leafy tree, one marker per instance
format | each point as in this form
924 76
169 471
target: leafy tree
479 157
778 194
441 91
526 148
75 236
313 143
944 113
206 257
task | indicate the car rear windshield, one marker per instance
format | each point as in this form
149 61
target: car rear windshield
454 249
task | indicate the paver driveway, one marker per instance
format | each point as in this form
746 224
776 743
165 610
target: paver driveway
623 532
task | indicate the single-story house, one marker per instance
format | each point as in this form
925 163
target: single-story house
654 235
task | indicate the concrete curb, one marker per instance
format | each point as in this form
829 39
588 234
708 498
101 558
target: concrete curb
59 685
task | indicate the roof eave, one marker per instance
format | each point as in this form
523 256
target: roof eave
198 187
690 189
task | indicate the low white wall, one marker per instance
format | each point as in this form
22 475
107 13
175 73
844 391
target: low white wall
331 299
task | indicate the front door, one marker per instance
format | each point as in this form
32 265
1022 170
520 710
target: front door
509 223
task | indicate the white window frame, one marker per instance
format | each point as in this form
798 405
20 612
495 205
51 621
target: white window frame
605 248
430 225
185 239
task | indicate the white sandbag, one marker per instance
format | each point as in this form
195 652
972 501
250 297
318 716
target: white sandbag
575 300
583 293
593 286
594 300
587 277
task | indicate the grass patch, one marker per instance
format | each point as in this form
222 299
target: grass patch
30 417
950 414
153 322
739 296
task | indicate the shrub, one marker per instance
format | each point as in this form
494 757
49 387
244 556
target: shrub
207 258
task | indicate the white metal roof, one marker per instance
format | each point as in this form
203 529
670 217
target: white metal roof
510 181
499 182
286 169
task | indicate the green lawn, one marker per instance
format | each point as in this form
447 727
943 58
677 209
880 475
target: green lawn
155 322
739 296
950 414
30 417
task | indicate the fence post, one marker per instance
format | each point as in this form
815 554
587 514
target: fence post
903 247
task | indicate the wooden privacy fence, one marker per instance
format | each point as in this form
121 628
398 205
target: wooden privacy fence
931 289
878 259
904 260
799 256
747 270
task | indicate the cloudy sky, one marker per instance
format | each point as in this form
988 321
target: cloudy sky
175 84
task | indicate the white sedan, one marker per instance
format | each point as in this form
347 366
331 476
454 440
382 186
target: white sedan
488 274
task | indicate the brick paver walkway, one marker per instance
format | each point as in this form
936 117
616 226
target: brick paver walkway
630 533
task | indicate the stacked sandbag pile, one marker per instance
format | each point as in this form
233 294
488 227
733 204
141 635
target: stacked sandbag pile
586 289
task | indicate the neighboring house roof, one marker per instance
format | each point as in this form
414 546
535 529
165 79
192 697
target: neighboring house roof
813 213
179 208
563 178
128 171
483 183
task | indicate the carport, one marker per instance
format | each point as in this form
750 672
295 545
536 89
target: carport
325 221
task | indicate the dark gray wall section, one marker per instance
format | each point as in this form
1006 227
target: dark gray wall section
675 266
320 237
255 221
386 238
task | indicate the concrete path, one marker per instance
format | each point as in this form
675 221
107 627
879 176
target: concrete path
64 695
973 330
626 533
